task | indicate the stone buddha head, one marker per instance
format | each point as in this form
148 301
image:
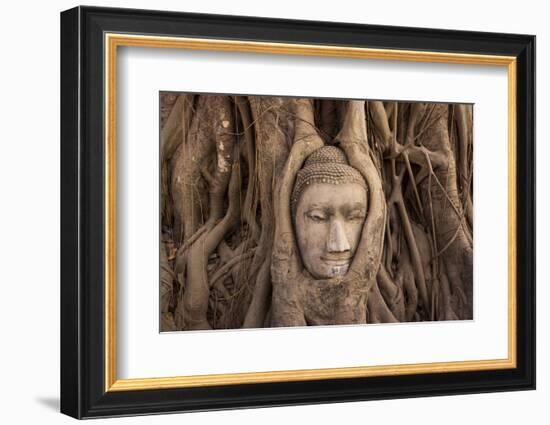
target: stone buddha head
329 206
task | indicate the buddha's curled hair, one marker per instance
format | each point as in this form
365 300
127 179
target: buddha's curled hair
325 165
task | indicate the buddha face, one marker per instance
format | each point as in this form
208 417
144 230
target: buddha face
329 219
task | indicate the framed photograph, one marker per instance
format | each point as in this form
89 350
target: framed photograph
261 212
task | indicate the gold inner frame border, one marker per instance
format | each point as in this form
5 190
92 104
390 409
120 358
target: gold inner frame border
113 40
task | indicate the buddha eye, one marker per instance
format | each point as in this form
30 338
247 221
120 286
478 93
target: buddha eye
317 216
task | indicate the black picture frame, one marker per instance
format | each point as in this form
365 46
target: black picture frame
83 392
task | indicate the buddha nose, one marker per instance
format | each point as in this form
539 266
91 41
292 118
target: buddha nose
337 240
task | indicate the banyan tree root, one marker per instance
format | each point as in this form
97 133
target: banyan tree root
440 242
273 139
226 169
